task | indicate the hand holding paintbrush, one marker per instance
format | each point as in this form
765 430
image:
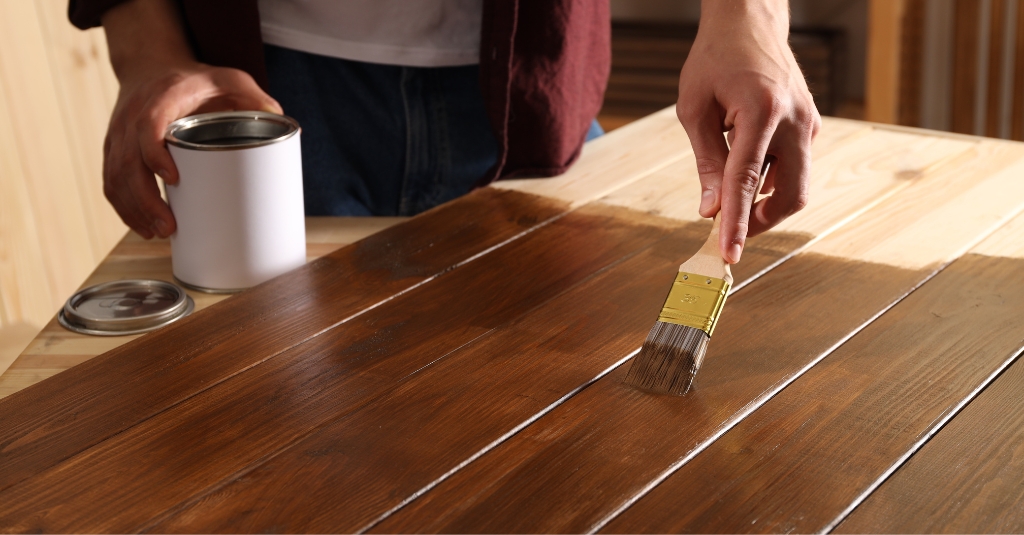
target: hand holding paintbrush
675 347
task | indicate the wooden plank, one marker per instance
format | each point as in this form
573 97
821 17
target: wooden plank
25 293
911 67
47 168
757 251
86 91
969 477
621 281
994 82
881 98
285 398
594 453
56 349
432 429
614 161
799 462
204 348
965 64
1017 121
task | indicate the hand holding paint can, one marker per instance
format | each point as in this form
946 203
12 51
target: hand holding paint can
238 203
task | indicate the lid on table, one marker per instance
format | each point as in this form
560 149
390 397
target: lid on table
125 307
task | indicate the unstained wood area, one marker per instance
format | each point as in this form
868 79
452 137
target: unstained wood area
461 371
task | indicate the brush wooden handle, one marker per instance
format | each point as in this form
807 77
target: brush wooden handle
708 260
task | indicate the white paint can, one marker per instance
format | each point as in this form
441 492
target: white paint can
238 203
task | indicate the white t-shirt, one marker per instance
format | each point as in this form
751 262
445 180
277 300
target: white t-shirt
419 33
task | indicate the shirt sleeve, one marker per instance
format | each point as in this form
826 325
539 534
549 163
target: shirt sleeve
85 14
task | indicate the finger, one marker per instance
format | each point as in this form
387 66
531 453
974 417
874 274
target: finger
243 92
114 170
140 190
739 184
703 126
152 148
792 176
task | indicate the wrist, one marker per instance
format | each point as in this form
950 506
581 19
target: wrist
146 38
736 16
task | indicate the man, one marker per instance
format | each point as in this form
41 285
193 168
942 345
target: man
398 116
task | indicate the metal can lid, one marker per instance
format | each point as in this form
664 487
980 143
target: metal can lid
125 307
230 130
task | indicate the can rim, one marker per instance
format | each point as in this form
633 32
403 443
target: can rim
179 308
193 121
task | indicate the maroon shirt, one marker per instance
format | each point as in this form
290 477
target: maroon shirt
543 68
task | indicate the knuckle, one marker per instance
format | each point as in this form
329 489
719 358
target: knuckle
687 113
706 166
799 202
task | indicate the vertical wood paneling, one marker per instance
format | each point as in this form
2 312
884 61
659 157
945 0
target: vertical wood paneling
1017 130
965 64
24 288
911 64
86 91
881 98
994 83
56 93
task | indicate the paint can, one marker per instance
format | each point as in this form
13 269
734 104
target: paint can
238 203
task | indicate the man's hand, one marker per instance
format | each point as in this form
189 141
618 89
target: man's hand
160 82
741 78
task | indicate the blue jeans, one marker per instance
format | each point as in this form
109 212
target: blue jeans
384 140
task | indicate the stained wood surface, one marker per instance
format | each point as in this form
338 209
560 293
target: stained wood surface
56 349
590 456
970 476
461 371
799 462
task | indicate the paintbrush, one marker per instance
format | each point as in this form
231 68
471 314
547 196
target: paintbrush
675 347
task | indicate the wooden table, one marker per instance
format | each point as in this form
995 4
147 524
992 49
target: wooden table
461 371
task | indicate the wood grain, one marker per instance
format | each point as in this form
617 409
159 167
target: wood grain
48 171
614 161
55 349
44 424
798 462
575 466
255 414
968 478
970 475
473 397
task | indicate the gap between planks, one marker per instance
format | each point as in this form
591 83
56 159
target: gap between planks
493 444
980 234
929 434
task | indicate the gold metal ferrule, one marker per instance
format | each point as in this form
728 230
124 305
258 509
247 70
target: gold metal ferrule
695 301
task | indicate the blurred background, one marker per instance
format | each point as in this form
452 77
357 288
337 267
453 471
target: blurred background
955 65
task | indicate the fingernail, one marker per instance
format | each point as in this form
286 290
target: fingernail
707 200
735 250
161 228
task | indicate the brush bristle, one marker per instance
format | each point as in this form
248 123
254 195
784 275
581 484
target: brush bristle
669 359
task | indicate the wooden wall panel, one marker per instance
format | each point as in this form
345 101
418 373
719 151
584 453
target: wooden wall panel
57 91
881 96
1017 121
965 64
